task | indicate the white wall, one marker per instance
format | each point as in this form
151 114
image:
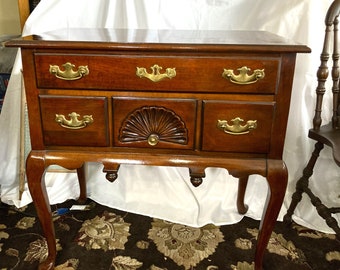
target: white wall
9 17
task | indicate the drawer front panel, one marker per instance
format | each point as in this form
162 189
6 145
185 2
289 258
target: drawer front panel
237 126
154 123
74 121
148 73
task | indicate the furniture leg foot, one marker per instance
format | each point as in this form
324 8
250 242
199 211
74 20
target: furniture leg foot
48 264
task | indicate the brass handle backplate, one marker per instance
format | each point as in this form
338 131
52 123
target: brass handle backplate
156 76
243 77
73 122
68 73
236 128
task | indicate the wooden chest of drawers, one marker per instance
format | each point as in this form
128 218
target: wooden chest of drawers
178 98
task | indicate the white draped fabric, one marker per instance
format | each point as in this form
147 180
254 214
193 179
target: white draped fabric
165 192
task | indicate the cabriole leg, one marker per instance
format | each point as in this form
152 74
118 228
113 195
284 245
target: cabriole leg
35 168
277 178
242 208
82 184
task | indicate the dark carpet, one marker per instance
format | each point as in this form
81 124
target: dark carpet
105 238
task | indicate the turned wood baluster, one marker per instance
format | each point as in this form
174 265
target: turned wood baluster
324 212
302 186
335 75
302 183
322 75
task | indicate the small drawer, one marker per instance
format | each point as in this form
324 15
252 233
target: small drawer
150 73
154 123
74 120
233 126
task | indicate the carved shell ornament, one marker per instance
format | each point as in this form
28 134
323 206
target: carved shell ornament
153 124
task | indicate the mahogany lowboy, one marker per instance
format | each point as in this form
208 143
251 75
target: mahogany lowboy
194 99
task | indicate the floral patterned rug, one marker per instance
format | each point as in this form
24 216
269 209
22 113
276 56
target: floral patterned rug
105 238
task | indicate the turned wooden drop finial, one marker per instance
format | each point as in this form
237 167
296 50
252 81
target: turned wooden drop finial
111 172
111 176
196 176
196 181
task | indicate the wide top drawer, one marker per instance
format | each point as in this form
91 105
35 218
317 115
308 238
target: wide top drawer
239 74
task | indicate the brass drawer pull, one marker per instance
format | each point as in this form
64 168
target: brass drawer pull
243 77
237 128
69 74
153 139
155 76
74 122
